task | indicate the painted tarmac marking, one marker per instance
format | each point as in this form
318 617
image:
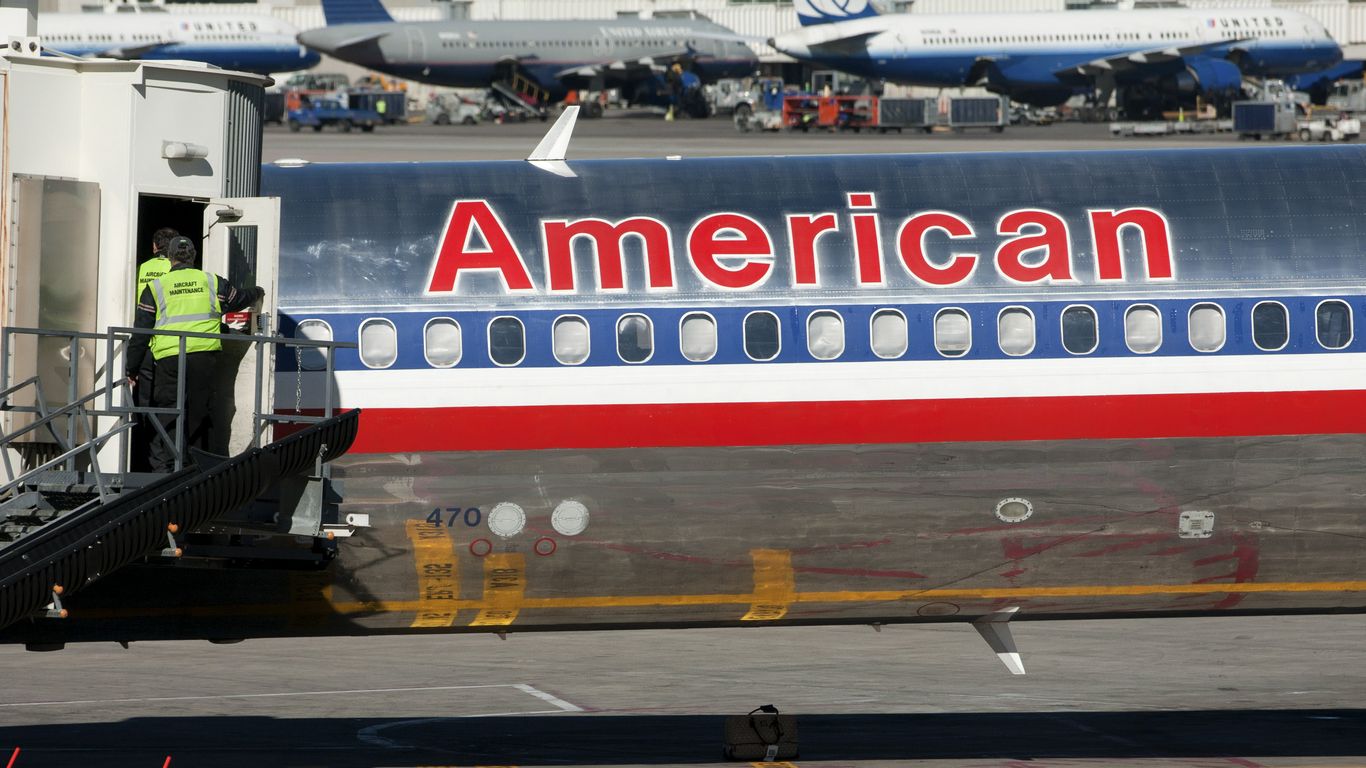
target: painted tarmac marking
438 575
371 734
775 586
547 697
153 699
504 590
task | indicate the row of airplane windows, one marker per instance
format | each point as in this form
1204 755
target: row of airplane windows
133 37
1070 38
676 43
1016 334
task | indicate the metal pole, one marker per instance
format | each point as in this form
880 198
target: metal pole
180 406
257 424
109 398
72 367
4 357
327 404
4 384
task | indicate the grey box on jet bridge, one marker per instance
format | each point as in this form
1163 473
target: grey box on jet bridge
978 112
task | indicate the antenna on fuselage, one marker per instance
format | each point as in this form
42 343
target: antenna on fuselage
549 155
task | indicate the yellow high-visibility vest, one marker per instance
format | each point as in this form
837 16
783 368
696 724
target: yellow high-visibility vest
186 300
150 270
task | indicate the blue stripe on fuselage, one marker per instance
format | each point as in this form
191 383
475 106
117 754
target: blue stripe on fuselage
951 68
263 59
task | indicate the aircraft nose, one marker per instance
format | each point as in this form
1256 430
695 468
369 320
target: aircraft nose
790 47
315 39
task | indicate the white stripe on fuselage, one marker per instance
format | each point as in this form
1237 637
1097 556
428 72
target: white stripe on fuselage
814 382
1004 35
110 31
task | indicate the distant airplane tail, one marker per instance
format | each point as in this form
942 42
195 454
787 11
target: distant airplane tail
812 12
354 12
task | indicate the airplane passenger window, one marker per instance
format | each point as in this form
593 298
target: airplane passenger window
635 338
888 334
1143 329
761 339
313 358
1079 333
1207 327
825 335
1270 326
441 342
697 337
952 333
570 339
1333 319
378 343
761 335
1015 331
507 341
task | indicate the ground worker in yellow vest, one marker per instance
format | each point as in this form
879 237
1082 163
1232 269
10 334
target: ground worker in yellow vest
155 266
183 299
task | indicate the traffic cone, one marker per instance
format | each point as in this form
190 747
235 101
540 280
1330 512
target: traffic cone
669 116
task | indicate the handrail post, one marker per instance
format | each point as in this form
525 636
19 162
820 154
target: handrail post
73 365
327 385
257 423
180 406
4 357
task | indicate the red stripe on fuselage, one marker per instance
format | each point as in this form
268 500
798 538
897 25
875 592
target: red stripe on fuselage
408 430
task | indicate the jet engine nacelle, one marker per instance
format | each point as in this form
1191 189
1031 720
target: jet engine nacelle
1209 76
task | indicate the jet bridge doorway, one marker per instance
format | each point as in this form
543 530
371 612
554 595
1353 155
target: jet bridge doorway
237 238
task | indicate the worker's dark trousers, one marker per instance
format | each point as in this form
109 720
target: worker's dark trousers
143 431
200 369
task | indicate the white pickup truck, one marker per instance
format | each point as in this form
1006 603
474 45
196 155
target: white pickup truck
1341 127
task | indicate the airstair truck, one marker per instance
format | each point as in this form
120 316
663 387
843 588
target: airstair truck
97 154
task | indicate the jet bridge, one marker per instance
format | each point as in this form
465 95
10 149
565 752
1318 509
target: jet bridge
67 522
76 220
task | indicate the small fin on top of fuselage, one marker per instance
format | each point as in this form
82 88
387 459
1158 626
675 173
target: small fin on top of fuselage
355 12
812 12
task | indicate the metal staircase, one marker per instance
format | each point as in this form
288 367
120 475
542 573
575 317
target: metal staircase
67 521
523 98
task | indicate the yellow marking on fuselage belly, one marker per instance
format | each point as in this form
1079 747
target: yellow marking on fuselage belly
504 589
775 585
343 607
438 575
664 601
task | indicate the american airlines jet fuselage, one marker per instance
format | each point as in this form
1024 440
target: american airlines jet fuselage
232 41
749 391
1054 52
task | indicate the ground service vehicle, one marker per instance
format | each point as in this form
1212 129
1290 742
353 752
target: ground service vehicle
320 113
452 108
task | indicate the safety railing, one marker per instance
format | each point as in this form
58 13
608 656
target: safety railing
113 398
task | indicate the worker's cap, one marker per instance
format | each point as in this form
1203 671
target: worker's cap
181 248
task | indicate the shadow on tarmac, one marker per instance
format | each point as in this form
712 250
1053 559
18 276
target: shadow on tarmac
606 739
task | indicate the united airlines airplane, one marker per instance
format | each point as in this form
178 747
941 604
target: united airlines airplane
557 56
813 390
1154 59
259 44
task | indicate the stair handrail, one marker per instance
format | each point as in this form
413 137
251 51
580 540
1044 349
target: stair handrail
84 407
